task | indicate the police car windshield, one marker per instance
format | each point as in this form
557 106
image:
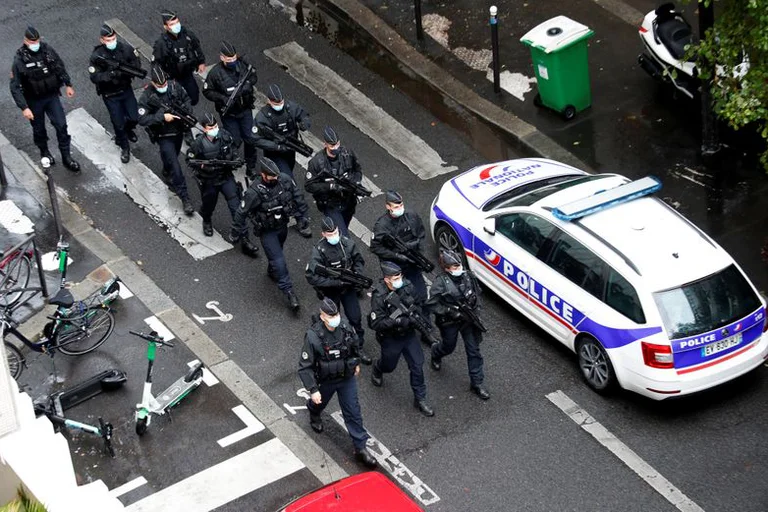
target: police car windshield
706 304
529 193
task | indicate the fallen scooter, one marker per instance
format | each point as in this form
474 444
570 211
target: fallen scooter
175 393
104 430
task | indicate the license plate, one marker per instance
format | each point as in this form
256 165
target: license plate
714 348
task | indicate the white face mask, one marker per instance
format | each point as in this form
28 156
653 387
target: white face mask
397 283
176 28
33 47
333 239
457 272
397 212
111 45
277 108
213 132
162 90
334 321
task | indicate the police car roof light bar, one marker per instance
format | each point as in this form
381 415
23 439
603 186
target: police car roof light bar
607 199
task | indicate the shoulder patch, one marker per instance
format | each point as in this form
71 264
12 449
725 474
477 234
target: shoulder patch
191 155
205 85
242 203
91 69
304 356
142 111
373 315
255 129
309 175
152 59
136 53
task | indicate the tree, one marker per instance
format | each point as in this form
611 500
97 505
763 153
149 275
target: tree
740 27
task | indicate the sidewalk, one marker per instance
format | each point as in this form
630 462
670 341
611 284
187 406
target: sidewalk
633 127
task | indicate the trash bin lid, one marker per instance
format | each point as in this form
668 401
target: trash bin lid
555 34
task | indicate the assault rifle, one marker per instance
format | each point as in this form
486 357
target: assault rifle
351 186
115 65
471 315
178 110
345 276
236 91
291 143
216 163
413 255
421 324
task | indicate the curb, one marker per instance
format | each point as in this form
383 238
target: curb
527 136
325 469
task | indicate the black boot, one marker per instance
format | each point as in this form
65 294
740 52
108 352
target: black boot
293 300
365 358
131 136
189 210
125 154
364 457
248 248
207 228
423 407
316 422
377 378
69 162
480 391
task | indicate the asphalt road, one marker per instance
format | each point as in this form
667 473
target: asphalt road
514 452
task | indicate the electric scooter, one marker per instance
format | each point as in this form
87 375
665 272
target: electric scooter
175 393
665 34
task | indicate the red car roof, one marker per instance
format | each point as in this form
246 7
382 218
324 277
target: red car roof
366 492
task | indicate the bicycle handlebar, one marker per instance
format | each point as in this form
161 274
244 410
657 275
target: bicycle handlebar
152 337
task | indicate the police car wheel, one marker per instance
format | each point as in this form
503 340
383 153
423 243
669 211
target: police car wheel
595 366
447 238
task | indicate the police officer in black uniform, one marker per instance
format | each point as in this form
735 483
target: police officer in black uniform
36 79
396 333
284 118
452 288
166 129
214 178
328 365
269 202
331 198
409 228
115 86
336 252
179 53
219 85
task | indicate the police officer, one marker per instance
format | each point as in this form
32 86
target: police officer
269 202
179 53
220 84
114 86
286 119
166 129
214 178
409 228
36 79
332 199
450 289
329 364
396 333
338 252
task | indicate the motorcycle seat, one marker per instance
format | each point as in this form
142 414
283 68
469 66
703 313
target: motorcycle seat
62 298
675 34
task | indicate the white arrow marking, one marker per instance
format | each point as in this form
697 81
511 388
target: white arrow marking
293 409
303 393
213 306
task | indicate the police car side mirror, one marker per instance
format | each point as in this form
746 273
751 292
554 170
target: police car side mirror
489 225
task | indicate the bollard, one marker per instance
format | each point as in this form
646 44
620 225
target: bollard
46 164
419 27
495 48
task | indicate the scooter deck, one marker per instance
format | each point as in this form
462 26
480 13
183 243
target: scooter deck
107 380
176 392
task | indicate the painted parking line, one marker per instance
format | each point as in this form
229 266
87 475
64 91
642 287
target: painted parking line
209 379
360 111
142 186
252 426
128 487
159 327
644 470
389 463
224 482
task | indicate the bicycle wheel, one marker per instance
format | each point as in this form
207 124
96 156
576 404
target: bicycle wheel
15 360
15 274
85 334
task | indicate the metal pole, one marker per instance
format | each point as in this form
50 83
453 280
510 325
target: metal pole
495 47
419 27
52 195
3 177
710 143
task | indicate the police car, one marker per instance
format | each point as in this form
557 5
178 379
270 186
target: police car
646 299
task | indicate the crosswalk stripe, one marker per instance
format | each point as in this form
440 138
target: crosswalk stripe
360 111
143 186
226 481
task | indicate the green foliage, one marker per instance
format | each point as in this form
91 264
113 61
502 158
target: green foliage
741 27
23 504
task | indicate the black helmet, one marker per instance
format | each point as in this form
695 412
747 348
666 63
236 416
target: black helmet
329 307
393 197
449 258
208 119
157 75
389 269
328 225
269 167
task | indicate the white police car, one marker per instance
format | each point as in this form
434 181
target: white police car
645 298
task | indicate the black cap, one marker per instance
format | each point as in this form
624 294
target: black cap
328 225
394 197
157 75
389 269
269 167
449 258
168 15
106 31
329 136
274 94
32 34
329 307
208 120
227 49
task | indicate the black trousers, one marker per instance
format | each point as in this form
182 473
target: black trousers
350 408
170 146
409 346
272 241
124 114
189 83
209 194
50 106
241 129
472 337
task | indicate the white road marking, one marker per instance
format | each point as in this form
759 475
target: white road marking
208 378
213 305
293 408
128 487
622 10
303 393
125 292
397 469
360 111
692 180
644 470
50 261
143 186
13 219
697 173
159 327
252 426
224 482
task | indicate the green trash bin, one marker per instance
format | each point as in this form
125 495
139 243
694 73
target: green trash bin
559 54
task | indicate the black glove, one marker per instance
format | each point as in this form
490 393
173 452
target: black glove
402 322
282 148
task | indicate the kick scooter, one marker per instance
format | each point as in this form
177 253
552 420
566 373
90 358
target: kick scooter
170 397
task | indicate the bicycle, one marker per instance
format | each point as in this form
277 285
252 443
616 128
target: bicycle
15 271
